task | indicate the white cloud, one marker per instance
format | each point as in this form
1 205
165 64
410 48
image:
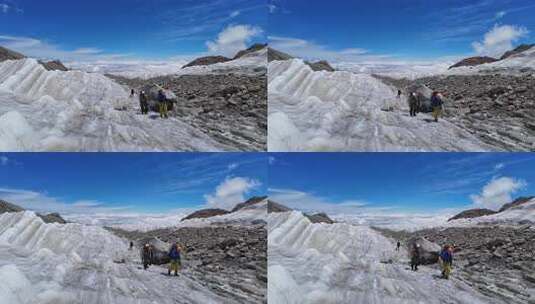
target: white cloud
234 14
500 14
499 166
233 39
4 160
44 50
230 192
272 160
499 40
309 202
497 192
311 50
4 8
272 8
42 202
233 166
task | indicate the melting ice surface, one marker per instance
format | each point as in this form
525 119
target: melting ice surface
73 263
342 263
343 111
44 110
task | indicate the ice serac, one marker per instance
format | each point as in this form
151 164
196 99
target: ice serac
342 111
73 263
341 263
44 110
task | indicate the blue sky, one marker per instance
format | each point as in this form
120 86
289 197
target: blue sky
144 29
130 182
401 182
405 30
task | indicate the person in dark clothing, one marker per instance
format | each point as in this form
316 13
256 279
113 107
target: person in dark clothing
143 103
399 93
146 256
132 93
413 104
415 257
446 260
131 245
162 101
398 245
436 103
174 255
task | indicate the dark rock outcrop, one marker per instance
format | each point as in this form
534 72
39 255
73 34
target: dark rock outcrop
428 250
7 54
52 218
473 61
319 218
320 66
521 48
472 213
274 55
517 202
54 65
208 60
276 207
254 48
48 218
8 207
250 202
205 213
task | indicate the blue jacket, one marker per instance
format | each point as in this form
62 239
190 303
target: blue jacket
161 97
436 101
174 253
446 256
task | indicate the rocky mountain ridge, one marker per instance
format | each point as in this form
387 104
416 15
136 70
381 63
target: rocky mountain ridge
274 207
211 212
317 66
47 218
475 213
478 60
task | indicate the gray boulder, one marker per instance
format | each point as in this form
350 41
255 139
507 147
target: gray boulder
423 94
428 250
152 94
159 250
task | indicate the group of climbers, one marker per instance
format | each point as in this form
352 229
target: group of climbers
174 254
437 104
144 103
445 258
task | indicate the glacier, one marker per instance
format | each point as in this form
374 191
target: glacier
343 263
343 111
75 263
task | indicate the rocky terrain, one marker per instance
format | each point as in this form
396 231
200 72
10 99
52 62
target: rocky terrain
499 109
54 65
6 54
473 61
498 260
47 218
205 213
231 107
208 60
274 207
230 260
317 66
254 48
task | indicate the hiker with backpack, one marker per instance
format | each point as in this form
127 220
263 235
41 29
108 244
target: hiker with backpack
162 101
413 104
415 257
174 254
446 261
143 103
146 256
437 104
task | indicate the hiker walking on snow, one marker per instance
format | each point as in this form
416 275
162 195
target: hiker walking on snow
415 257
143 103
437 103
413 104
132 93
398 245
146 256
162 101
174 255
446 260
131 245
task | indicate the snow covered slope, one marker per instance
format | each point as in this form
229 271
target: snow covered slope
340 263
54 264
76 111
512 65
342 111
523 214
